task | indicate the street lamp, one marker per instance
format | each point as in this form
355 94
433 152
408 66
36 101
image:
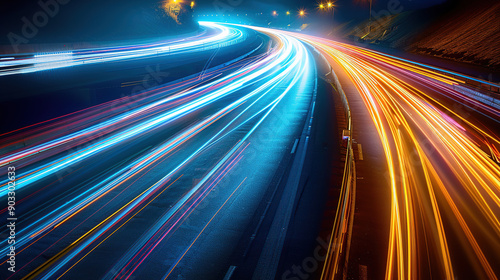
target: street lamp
331 6
274 13
370 17
192 4
302 13
370 26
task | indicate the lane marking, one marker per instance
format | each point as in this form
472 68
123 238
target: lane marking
295 146
360 152
230 272
363 272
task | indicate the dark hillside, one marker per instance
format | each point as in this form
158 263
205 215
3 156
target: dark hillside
465 31
471 33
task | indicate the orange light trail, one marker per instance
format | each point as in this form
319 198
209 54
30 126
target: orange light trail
436 170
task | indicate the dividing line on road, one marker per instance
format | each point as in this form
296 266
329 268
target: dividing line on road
294 146
360 152
267 265
230 272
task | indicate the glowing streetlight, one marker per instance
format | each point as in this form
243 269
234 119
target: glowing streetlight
329 6
192 4
333 12
302 13
287 13
274 13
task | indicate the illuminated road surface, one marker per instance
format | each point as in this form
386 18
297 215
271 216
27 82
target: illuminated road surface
161 186
440 165
130 189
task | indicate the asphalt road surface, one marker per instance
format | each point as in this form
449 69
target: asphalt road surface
169 180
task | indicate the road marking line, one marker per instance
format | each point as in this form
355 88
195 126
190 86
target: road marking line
295 146
230 272
360 151
363 272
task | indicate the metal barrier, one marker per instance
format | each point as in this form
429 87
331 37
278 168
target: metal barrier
338 248
487 99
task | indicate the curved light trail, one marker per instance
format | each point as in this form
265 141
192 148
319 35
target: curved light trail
222 36
444 181
178 143
212 122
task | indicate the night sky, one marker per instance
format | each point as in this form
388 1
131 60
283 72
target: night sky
95 15
349 8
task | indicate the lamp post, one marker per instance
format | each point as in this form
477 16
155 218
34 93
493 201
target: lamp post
370 22
302 14
329 6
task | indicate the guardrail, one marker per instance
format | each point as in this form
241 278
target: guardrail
488 87
487 99
338 248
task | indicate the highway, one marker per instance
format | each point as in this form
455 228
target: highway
136 185
440 149
165 183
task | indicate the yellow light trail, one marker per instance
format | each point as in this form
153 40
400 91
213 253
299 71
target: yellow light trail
443 185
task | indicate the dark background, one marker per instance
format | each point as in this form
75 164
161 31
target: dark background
94 20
